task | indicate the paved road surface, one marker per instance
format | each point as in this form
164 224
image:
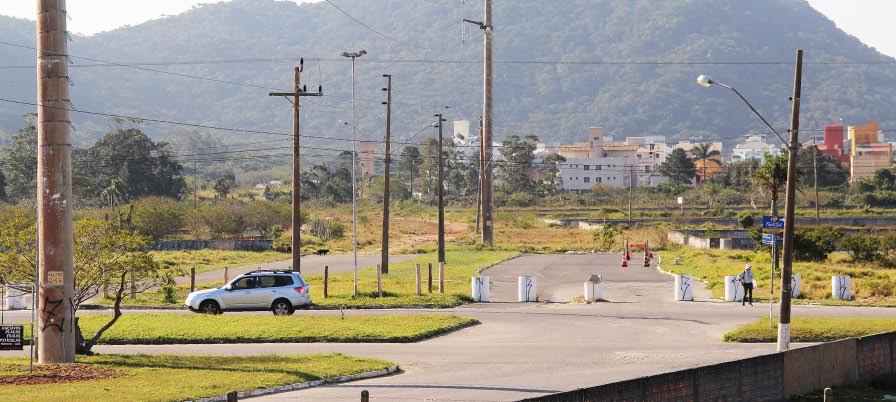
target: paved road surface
524 350
311 265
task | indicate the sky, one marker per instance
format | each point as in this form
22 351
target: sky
869 20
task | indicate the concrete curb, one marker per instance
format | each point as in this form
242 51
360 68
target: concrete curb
303 385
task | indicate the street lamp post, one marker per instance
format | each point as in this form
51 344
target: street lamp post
353 56
789 200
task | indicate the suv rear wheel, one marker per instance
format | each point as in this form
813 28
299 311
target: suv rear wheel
209 307
282 307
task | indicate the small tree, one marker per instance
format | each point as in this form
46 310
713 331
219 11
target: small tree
157 217
105 256
224 185
772 176
678 167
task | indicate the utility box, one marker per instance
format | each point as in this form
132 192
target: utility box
480 286
734 290
684 288
840 287
594 288
527 289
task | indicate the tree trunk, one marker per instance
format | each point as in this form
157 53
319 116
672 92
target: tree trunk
84 346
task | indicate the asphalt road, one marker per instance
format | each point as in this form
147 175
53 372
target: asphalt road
524 350
311 265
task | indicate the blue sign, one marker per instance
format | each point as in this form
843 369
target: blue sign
767 239
772 223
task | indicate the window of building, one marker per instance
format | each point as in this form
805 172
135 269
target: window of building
587 167
587 180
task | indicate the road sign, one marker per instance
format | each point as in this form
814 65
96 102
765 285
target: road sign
772 223
767 239
12 337
637 245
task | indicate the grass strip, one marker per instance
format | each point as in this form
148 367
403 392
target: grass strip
213 260
168 329
175 378
812 329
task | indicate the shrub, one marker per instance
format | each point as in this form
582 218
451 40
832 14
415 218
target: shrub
816 244
745 219
157 217
863 248
606 238
520 199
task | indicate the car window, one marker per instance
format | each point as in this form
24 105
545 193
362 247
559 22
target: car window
283 281
245 283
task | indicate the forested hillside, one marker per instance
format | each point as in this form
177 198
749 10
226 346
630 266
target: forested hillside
643 55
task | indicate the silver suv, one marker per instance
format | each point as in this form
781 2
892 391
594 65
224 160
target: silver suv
278 291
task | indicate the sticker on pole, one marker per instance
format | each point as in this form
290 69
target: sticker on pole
773 223
55 278
12 337
767 239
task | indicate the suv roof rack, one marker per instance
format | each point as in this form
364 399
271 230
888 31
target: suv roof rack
272 271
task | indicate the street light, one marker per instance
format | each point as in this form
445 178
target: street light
353 56
790 195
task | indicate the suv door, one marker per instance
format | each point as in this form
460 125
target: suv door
274 287
241 293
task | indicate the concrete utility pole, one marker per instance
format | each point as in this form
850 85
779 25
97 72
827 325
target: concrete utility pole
631 190
789 201
815 171
479 190
441 183
486 201
298 92
354 56
387 162
55 324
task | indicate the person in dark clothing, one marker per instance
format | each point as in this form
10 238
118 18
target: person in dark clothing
746 279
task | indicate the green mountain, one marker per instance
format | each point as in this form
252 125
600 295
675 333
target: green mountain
644 57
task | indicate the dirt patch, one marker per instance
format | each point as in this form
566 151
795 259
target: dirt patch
16 374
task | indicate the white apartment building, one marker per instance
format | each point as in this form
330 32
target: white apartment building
631 163
584 174
754 147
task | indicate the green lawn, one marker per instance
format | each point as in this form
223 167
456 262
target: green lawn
213 260
177 378
871 284
813 329
230 328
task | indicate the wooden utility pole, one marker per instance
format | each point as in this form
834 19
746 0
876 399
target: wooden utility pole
298 92
56 337
441 184
386 178
486 201
789 207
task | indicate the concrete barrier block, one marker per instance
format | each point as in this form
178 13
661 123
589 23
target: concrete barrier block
841 287
734 291
684 288
480 288
528 288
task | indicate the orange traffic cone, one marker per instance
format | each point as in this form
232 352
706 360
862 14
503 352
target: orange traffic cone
624 263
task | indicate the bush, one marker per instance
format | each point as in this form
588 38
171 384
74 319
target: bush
606 239
816 244
863 248
745 219
157 217
520 199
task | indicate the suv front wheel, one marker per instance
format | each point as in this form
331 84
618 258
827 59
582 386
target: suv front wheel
282 307
209 307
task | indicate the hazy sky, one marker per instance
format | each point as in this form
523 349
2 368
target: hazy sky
869 20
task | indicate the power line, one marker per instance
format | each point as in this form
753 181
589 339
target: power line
369 28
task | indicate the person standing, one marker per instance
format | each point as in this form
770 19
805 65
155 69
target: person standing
746 279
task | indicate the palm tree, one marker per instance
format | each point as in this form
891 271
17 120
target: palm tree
112 194
772 176
704 152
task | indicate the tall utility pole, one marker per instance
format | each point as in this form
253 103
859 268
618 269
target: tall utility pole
55 336
298 92
487 217
354 56
631 190
479 190
789 201
815 171
441 184
386 178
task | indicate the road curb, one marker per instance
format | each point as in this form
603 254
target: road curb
303 385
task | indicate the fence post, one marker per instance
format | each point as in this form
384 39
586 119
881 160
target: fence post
417 269
226 274
232 396
429 278
192 279
379 281
133 284
365 396
326 281
441 277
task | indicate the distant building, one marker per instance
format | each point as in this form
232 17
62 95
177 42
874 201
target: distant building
585 173
833 142
368 148
461 131
754 147
617 164
864 134
867 153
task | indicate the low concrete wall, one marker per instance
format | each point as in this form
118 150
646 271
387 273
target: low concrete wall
232 245
772 377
